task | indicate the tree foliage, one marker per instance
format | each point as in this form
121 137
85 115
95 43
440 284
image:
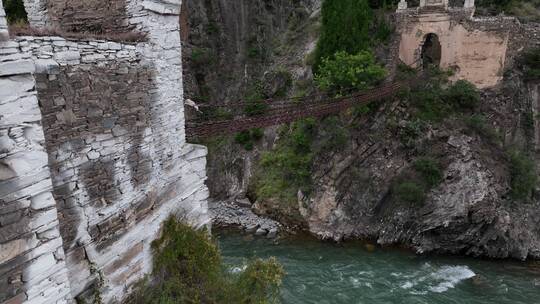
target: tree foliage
344 71
463 95
345 27
188 269
287 168
531 64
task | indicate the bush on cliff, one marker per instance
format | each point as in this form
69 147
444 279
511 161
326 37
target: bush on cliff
436 99
523 177
410 192
531 64
344 71
430 171
463 95
412 186
287 168
188 269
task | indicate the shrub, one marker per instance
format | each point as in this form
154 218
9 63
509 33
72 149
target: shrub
254 98
260 282
405 72
188 269
409 192
522 175
344 71
248 137
430 171
429 103
410 132
333 134
434 103
244 138
462 95
287 168
383 31
531 63
478 123
202 56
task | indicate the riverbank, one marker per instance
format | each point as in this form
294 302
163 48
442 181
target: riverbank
237 214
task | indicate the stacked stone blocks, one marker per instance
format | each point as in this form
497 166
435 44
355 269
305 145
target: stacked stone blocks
32 259
106 142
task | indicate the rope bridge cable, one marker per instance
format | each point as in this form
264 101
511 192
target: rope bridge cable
291 113
284 111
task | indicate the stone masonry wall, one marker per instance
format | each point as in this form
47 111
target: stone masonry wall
476 49
89 15
32 260
116 165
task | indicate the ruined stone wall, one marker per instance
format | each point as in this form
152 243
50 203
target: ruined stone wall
32 261
476 49
89 15
116 165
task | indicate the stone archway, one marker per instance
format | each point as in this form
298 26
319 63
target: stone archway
431 51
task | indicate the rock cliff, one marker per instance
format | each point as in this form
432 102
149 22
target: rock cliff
469 212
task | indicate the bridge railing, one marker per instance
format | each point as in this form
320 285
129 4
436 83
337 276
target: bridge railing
292 109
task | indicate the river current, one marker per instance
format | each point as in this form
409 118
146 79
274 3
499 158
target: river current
325 273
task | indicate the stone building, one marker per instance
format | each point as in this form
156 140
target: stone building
476 49
93 155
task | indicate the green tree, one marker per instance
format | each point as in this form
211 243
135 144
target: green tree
188 269
345 27
344 71
463 95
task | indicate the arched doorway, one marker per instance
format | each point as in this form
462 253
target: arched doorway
431 51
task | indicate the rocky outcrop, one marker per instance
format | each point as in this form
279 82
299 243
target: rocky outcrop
238 214
469 212
235 49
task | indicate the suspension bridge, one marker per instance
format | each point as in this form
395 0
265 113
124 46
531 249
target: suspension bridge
287 110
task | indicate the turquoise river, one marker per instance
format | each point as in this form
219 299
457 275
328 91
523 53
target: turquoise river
325 273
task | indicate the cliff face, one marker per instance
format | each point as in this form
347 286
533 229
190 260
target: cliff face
468 212
235 49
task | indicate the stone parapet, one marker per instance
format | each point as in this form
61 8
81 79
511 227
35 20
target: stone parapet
75 51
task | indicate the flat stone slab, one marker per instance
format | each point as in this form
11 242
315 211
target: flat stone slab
17 67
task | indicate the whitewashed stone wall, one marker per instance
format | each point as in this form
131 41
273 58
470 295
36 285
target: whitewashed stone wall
32 260
113 121
37 12
4 34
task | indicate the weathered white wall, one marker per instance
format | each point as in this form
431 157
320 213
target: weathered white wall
32 260
109 243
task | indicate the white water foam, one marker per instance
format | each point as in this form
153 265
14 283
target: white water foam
450 276
431 279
